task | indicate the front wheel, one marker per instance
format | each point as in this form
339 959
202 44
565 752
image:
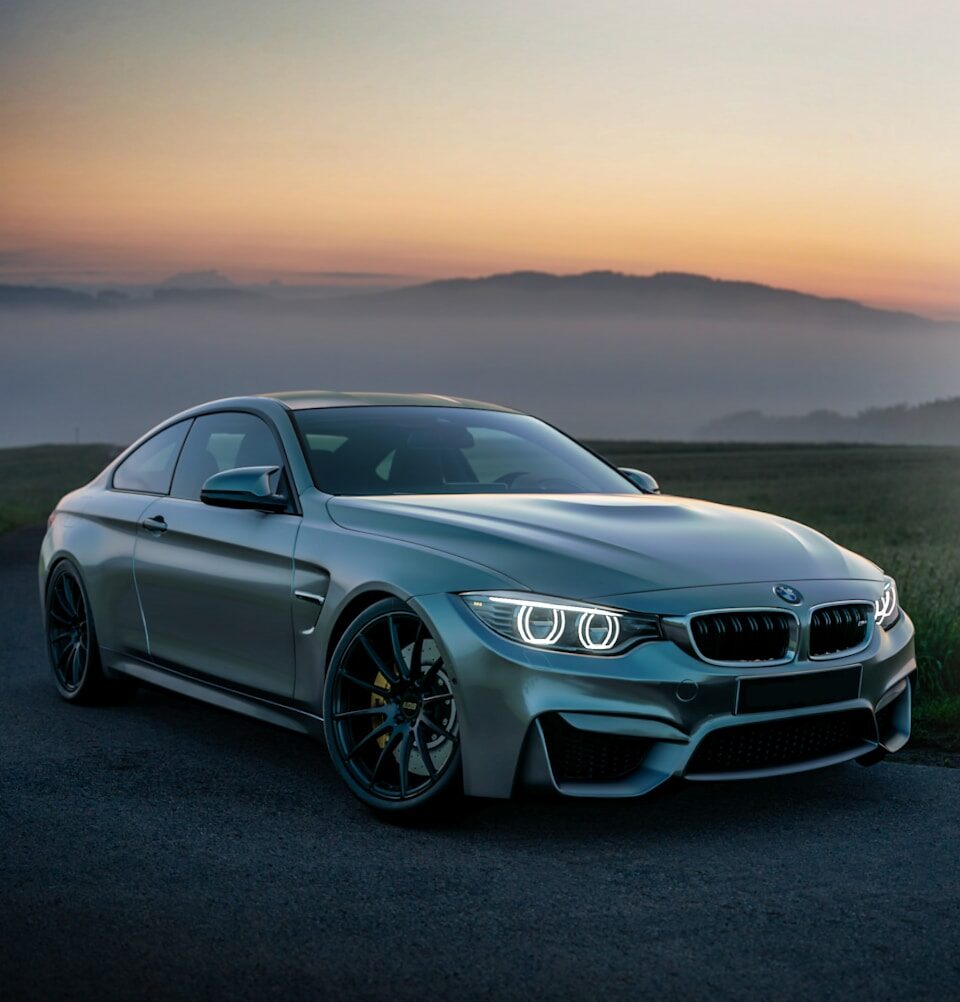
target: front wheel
390 714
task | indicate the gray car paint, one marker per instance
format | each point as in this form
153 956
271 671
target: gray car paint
215 592
596 544
209 608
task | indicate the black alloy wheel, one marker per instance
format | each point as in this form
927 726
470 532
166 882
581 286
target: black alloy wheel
72 640
390 712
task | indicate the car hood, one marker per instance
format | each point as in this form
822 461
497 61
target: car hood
592 545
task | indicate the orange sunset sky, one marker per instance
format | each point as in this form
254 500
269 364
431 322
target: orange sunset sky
813 145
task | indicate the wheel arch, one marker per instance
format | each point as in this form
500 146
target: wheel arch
50 567
352 608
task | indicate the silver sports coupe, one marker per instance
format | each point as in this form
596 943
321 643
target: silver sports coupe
460 598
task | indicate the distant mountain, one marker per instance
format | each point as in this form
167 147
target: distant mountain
666 296
32 296
197 280
201 288
652 297
936 423
196 289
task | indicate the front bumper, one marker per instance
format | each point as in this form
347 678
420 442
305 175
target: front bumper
620 726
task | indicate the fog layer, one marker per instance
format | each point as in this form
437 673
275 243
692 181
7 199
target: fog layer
113 374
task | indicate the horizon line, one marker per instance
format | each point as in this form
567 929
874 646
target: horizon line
358 279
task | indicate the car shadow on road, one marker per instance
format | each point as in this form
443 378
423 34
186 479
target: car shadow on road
206 752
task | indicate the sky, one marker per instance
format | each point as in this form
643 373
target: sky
811 145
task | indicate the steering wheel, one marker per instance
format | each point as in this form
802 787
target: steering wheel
555 485
523 481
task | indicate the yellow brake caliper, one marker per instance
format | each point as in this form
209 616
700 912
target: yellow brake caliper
381 683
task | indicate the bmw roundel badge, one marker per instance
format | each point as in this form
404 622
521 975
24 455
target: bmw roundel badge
788 594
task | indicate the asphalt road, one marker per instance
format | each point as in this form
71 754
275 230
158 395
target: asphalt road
163 849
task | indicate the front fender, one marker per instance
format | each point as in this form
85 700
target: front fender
342 564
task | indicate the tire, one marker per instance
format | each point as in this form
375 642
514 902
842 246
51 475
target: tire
71 641
390 715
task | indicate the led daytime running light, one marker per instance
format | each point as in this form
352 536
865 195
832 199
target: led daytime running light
613 631
562 625
504 600
887 604
556 631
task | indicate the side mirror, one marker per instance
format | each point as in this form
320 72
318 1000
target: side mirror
252 487
644 481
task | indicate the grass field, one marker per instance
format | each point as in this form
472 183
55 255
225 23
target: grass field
34 478
897 505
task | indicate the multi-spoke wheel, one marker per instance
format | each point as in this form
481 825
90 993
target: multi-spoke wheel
390 713
72 640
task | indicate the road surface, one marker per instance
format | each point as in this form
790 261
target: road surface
164 849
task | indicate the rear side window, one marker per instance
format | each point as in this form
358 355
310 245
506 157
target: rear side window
149 469
219 442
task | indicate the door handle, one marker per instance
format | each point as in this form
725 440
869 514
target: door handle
155 523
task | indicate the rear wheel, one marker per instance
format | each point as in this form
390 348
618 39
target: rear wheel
390 714
72 640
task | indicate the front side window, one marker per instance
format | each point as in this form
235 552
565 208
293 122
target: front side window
149 469
219 442
446 450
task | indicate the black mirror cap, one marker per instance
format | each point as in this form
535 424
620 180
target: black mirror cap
273 503
642 480
250 487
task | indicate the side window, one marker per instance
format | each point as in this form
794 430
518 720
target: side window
219 442
149 469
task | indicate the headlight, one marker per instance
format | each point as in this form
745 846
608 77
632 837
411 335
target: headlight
557 625
888 605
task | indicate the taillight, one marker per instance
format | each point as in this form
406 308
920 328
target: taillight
51 517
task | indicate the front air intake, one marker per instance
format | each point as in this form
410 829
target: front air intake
578 756
778 744
744 636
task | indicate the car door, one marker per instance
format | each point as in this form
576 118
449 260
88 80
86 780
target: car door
216 583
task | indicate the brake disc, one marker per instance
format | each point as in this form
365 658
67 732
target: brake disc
441 712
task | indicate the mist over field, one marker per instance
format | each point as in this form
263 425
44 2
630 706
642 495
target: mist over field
113 373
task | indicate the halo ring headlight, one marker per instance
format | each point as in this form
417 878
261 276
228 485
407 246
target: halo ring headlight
554 630
609 624
888 605
562 625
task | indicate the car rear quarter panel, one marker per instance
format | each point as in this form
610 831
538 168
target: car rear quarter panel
97 529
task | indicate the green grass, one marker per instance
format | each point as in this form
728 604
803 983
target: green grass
897 505
936 721
34 478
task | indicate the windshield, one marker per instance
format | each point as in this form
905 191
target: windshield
446 450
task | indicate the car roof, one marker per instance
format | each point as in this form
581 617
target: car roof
306 399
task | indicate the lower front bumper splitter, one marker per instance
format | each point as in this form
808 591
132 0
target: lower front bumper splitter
854 729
